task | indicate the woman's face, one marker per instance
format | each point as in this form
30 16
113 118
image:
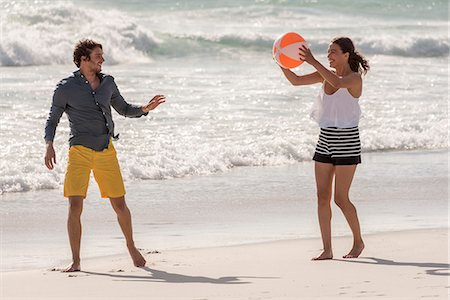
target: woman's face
336 57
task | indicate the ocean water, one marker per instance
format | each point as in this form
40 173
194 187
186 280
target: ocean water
228 103
229 110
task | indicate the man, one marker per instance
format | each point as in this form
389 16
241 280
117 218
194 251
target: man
87 96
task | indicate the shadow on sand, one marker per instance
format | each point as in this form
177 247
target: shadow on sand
162 276
440 269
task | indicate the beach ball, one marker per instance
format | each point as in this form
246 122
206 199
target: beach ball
285 50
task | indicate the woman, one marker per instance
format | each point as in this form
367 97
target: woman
338 150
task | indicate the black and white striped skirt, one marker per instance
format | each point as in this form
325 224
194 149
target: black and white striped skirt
338 146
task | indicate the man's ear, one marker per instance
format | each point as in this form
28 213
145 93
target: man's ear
85 58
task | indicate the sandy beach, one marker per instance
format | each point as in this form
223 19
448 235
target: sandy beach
397 265
243 206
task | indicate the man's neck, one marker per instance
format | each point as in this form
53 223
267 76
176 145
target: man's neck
88 74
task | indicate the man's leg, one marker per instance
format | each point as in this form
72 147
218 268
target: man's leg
74 230
76 183
124 218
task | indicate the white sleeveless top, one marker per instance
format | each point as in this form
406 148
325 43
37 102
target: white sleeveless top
340 109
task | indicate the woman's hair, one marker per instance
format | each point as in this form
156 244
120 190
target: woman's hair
356 61
84 48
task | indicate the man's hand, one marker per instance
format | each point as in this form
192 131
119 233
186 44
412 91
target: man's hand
50 156
157 100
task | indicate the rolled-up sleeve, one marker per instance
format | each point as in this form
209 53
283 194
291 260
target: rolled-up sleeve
58 107
122 107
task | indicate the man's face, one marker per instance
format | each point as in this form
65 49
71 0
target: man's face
96 60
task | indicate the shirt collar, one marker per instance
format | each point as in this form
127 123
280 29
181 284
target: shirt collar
81 77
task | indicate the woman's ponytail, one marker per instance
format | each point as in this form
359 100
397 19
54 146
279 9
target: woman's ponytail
358 63
356 60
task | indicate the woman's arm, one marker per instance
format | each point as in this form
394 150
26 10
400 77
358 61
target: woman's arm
302 80
350 81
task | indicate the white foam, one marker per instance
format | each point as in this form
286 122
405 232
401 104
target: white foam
45 34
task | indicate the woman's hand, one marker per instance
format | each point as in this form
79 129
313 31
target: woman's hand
306 55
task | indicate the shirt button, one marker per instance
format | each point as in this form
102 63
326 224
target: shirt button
107 124
93 93
96 103
103 113
87 81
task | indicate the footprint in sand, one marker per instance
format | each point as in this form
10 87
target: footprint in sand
73 275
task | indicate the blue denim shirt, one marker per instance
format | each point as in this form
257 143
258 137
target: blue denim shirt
88 110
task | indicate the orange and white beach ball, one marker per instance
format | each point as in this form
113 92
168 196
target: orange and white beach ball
285 50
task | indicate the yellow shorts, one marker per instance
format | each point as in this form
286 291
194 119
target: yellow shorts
105 167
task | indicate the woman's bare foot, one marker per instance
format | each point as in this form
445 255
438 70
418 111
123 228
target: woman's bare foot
324 255
138 259
73 267
356 251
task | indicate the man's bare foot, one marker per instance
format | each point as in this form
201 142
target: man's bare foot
356 251
73 267
324 255
138 259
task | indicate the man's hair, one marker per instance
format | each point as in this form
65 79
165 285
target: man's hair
84 48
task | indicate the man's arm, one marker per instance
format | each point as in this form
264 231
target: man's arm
59 104
124 108
133 111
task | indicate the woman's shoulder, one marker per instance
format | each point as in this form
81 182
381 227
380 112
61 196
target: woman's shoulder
356 79
356 75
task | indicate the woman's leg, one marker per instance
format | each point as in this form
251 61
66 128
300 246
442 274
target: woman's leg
344 176
324 180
